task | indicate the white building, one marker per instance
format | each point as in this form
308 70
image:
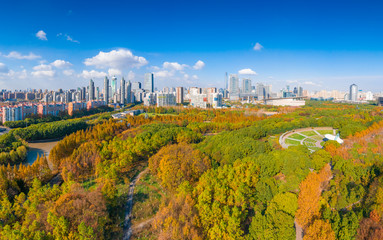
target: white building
166 99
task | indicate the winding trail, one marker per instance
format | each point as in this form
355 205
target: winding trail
129 205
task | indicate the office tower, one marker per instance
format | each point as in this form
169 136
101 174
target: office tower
97 93
54 96
149 82
300 92
353 93
246 85
166 90
91 90
122 91
180 95
136 86
166 99
226 81
83 93
263 91
129 92
233 84
106 90
114 85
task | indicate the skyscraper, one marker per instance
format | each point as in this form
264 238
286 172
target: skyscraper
129 92
246 85
106 90
353 93
114 85
122 91
83 94
149 82
91 90
233 84
97 93
180 95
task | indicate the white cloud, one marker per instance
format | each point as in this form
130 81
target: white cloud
68 72
44 73
131 75
247 71
164 74
61 64
257 47
42 67
41 35
195 77
19 56
113 71
92 74
118 59
199 65
67 37
3 68
174 66
311 83
155 68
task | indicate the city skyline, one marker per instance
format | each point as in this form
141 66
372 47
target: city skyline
58 48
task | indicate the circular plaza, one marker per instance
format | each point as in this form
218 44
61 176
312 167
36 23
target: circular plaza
312 138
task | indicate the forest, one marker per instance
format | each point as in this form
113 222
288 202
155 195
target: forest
214 174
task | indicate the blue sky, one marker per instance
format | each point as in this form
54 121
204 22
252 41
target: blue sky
315 44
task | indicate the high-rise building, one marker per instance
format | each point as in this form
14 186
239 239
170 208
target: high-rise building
263 91
166 99
97 93
114 85
149 82
83 94
136 86
226 81
233 84
129 92
179 95
122 91
353 93
106 90
246 85
91 90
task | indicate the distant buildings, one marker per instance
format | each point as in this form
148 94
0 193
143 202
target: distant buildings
166 99
149 82
179 95
106 90
353 95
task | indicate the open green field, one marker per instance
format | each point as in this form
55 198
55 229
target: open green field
292 142
317 138
323 132
297 136
147 198
309 133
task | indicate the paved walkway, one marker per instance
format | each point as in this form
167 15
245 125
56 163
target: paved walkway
129 205
286 135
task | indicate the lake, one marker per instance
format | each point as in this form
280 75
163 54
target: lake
39 148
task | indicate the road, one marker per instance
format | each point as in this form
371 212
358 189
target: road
129 205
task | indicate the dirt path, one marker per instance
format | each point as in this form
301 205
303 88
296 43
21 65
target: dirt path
298 231
129 205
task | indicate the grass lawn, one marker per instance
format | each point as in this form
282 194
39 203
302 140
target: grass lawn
297 136
147 198
323 132
292 142
309 133
317 138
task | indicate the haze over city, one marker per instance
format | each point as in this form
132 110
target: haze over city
317 45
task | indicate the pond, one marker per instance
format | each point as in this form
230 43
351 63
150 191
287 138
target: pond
39 148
